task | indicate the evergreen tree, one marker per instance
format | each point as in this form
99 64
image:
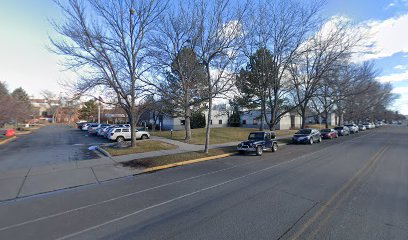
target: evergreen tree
252 82
20 95
89 110
3 90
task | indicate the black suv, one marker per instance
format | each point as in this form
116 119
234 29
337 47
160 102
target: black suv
258 142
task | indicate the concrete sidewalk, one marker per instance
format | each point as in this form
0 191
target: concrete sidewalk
36 180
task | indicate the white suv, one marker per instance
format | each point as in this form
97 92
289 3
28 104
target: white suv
121 134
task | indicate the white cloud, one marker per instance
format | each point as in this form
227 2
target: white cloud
386 37
390 5
395 77
400 90
400 67
401 104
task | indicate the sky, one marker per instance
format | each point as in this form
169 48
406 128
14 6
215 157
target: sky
26 62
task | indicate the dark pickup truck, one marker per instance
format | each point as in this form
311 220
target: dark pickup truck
258 142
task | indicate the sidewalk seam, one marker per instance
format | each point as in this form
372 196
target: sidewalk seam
95 176
22 184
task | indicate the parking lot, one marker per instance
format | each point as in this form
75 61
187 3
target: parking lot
46 146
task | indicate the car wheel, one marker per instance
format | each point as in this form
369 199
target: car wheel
120 139
320 139
311 141
259 150
144 137
242 152
274 147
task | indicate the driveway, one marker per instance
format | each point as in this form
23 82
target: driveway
48 145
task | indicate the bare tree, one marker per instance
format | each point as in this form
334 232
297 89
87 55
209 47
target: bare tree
182 85
106 41
330 47
218 39
343 82
280 28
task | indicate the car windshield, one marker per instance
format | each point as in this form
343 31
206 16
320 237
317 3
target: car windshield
325 130
256 136
304 131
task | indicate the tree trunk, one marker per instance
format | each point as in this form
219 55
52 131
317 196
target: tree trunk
303 114
272 125
326 114
188 124
261 127
132 120
207 133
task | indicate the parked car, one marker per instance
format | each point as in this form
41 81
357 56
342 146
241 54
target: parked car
101 130
361 127
353 128
80 124
369 125
7 133
92 130
329 133
121 134
307 135
258 142
342 131
86 126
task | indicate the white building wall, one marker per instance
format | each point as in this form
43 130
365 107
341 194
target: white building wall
219 118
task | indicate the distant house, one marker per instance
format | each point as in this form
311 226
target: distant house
43 108
252 119
220 115
66 115
219 119
313 118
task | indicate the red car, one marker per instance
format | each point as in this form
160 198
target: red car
329 133
8 133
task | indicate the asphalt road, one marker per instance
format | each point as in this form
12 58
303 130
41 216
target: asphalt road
48 145
354 187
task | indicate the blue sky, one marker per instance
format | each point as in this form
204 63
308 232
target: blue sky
25 61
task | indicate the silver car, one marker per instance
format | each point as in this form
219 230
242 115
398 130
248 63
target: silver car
352 127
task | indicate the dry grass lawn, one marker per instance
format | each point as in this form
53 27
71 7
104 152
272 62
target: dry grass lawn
175 158
142 146
218 135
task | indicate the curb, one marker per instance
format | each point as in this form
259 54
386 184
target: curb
8 140
24 132
104 152
153 169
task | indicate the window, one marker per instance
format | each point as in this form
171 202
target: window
183 122
255 121
220 121
125 130
210 122
117 130
243 122
267 136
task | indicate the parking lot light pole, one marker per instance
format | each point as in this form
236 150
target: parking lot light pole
99 110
